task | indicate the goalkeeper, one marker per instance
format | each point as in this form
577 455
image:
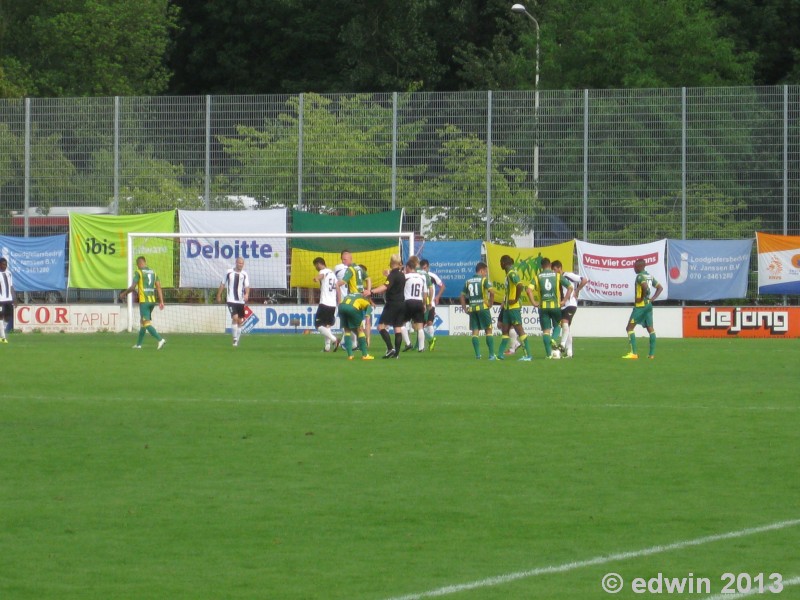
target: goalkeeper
477 298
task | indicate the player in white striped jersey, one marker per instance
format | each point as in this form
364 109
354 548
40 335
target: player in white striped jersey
328 301
570 307
6 298
436 290
416 294
237 288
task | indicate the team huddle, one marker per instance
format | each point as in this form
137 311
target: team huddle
411 294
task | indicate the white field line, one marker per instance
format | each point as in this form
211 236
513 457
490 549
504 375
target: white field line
597 560
786 583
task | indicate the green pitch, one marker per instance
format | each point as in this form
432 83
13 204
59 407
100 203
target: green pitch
274 471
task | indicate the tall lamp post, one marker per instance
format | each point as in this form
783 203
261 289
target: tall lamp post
520 9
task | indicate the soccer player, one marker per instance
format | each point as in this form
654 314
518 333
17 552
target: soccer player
416 292
148 287
642 308
236 284
6 298
512 308
477 298
435 293
328 301
548 284
352 310
393 314
570 306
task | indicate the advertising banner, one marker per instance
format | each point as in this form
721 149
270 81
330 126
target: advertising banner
527 261
453 261
205 259
38 264
778 264
741 322
609 269
708 270
98 248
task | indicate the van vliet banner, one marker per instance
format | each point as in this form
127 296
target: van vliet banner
609 269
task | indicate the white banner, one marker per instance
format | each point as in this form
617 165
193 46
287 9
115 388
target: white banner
609 269
205 259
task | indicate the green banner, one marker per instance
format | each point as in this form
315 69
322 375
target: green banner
303 222
98 248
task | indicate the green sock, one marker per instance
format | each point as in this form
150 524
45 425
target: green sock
362 344
548 344
348 344
476 344
653 344
556 332
490 343
142 331
632 340
152 331
523 339
503 345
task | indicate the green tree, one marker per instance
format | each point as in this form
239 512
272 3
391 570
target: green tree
87 47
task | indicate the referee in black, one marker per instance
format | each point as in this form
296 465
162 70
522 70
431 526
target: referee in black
394 314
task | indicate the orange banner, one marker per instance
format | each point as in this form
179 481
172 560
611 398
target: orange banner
742 322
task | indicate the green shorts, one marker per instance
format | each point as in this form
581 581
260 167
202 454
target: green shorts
549 317
512 316
349 317
480 319
146 310
642 315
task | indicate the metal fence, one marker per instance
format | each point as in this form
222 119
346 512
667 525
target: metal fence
611 166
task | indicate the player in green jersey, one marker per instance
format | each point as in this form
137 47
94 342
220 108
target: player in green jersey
148 287
477 298
512 308
352 310
547 284
642 308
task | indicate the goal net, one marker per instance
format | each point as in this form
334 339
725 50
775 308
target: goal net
280 267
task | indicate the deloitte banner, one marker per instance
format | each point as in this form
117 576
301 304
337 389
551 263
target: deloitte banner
708 270
609 269
37 263
98 248
205 259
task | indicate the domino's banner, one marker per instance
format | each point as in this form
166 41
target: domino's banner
98 248
38 264
205 259
708 270
454 262
609 269
778 263
527 261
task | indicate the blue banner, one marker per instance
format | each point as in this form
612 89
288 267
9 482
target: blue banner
453 262
38 264
708 269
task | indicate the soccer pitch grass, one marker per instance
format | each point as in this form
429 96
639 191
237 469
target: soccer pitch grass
274 471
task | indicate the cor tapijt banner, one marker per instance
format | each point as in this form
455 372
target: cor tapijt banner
98 248
778 263
373 253
609 269
527 260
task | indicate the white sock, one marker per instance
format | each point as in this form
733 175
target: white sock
512 336
326 331
420 340
236 331
564 335
429 330
406 337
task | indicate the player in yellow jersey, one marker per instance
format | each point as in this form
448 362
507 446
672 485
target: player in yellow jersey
148 287
352 310
512 308
642 313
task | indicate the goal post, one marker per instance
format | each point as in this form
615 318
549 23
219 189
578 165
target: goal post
191 267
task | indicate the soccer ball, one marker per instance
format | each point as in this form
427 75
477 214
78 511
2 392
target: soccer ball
555 354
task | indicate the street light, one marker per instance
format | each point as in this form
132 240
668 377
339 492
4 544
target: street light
520 9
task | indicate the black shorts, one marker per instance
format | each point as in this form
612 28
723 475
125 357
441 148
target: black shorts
393 315
6 310
567 313
236 309
325 317
415 311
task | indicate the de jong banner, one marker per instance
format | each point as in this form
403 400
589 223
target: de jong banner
98 248
609 269
37 264
708 270
205 259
